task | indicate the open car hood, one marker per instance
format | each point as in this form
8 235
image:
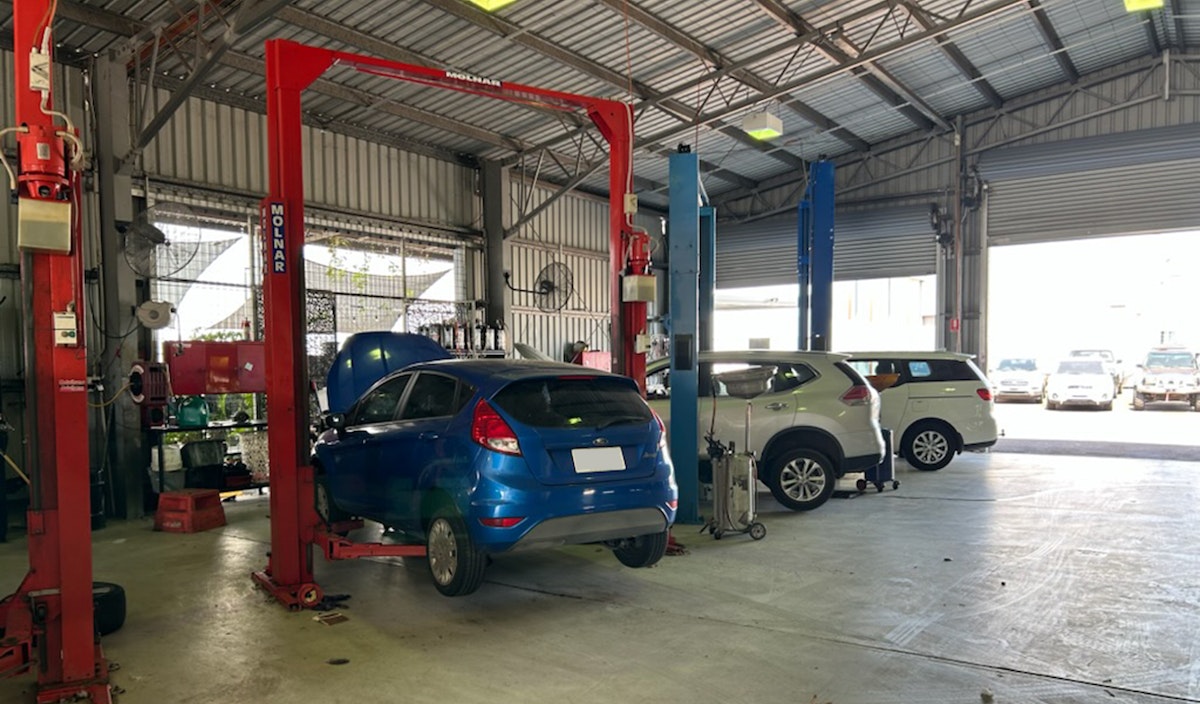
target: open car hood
367 357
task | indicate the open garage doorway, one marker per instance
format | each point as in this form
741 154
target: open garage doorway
1059 305
897 313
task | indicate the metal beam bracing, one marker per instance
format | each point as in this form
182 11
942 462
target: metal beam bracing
956 56
840 50
676 109
1058 116
250 16
744 76
1056 43
978 15
717 74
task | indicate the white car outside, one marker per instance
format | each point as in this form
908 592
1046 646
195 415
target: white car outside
1080 381
937 404
1168 374
818 421
1018 379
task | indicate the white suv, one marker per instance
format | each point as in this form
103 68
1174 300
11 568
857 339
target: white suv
818 420
936 404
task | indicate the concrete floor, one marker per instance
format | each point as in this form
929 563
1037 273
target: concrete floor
1040 579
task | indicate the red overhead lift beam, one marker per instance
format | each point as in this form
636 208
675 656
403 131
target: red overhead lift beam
291 68
48 622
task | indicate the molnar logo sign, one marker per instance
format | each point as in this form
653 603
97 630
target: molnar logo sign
468 78
273 221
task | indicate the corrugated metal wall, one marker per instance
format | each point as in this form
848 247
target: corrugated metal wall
574 231
868 243
224 148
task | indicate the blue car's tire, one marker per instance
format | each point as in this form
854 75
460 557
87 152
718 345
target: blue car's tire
455 564
642 551
324 503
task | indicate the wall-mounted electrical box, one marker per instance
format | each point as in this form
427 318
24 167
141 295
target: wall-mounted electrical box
66 333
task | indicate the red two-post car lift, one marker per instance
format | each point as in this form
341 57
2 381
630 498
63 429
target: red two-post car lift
47 623
291 68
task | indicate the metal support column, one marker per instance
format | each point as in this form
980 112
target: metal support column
685 306
120 294
708 275
821 199
495 189
814 258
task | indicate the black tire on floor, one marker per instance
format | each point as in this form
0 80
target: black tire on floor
801 478
642 551
108 604
455 564
928 445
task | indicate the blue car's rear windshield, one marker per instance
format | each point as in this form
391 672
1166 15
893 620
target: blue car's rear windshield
573 402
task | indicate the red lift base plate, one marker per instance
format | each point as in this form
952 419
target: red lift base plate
294 596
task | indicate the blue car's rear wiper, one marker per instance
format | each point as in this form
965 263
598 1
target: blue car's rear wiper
608 423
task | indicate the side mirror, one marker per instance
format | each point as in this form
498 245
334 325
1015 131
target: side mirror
337 421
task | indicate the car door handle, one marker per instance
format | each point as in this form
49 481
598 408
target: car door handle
775 406
428 436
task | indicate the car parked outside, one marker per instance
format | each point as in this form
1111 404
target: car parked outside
937 404
1080 381
479 457
1018 379
1112 365
818 420
1169 373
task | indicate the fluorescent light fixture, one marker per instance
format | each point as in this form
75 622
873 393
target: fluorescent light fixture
490 5
1139 5
762 125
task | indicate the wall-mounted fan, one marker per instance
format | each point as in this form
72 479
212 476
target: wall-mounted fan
554 286
162 240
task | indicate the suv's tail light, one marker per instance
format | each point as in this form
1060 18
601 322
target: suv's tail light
492 431
984 393
857 395
506 522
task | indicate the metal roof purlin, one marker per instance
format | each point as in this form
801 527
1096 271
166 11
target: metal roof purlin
719 73
840 50
956 56
960 22
680 111
1177 16
1051 36
744 76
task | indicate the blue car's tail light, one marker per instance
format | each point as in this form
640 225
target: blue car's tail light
490 430
507 522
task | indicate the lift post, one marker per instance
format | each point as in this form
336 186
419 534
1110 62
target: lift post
292 67
48 622
682 281
814 257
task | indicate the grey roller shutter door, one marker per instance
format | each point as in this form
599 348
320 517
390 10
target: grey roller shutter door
1133 183
867 244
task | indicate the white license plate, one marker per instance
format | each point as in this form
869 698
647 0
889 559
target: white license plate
598 459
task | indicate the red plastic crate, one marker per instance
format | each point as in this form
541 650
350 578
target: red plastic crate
189 511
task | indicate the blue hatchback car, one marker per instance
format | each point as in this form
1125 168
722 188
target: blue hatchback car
488 456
